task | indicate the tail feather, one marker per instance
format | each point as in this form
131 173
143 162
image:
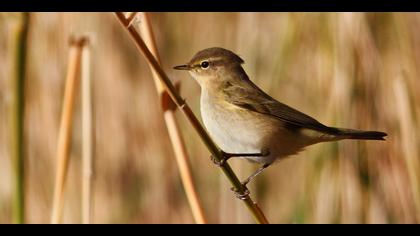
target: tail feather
360 134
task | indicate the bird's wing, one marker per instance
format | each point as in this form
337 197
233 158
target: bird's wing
250 97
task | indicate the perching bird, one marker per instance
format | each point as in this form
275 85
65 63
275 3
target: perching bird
246 122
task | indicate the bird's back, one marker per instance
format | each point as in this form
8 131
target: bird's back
244 93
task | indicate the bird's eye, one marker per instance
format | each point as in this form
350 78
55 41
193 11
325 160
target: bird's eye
205 64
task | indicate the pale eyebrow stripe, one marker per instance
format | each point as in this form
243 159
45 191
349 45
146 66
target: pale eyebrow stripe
216 58
213 60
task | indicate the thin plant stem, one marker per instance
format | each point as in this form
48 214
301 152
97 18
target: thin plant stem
20 38
183 106
87 137
66 123
130 17
178 144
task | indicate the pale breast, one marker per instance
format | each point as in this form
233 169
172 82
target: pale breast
238 130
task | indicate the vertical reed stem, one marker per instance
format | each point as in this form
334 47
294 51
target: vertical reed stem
178 145
64 137
87 137
20 35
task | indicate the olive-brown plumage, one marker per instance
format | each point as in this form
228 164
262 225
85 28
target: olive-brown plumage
244 120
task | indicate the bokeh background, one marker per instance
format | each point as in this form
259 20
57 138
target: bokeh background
358 70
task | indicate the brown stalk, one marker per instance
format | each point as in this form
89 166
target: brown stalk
178 145
87 137
183 106
64 136
130 17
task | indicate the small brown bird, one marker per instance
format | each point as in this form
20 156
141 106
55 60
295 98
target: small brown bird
246 122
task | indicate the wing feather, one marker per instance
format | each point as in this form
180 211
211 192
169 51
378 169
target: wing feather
248 96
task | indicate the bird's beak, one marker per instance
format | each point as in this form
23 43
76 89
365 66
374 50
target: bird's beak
183 67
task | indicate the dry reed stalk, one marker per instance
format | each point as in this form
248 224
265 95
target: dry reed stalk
64 137
168 108
130 17
20 39
87 136
186 110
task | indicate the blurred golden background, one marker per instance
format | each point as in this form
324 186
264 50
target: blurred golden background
355 70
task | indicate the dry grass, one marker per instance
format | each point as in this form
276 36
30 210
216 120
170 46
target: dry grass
346 69
66 127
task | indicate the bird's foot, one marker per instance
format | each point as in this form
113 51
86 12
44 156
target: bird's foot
218 163
227 156
244 183
241 195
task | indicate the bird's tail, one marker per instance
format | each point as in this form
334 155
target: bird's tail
360 134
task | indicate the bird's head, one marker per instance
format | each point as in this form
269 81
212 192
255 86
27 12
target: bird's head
212 65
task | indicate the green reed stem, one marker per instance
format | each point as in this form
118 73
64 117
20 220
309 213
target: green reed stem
20 35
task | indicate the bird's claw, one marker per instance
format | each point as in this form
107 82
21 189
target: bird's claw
238 194
217 162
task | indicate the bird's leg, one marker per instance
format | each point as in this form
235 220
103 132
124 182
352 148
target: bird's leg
227 156
257 172
247 180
